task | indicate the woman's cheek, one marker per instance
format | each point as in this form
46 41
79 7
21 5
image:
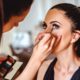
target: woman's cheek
58 40
57 34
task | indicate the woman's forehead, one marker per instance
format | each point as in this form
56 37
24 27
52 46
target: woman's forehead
55 12
57 15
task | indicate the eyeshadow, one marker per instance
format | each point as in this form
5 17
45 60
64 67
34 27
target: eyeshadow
6 65
11 60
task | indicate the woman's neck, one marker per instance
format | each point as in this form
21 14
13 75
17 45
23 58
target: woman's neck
66 60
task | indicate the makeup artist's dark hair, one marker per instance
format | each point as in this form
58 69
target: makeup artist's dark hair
10 8
73 13
1 18
15 8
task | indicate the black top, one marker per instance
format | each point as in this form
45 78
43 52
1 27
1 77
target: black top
49 75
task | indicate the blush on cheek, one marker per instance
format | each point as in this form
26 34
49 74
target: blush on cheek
64 44
57 36
57 44
56 33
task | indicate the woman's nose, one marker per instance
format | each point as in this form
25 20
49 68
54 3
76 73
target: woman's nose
48 30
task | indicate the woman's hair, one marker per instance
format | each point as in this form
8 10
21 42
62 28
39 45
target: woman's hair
73 13
15 8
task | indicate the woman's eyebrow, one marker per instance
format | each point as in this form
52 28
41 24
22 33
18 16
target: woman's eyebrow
55 22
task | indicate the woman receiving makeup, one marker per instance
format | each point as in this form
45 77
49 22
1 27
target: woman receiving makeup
61 38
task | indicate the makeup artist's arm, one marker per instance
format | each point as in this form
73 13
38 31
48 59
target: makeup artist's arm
41 50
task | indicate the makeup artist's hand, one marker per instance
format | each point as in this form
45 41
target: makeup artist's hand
43 46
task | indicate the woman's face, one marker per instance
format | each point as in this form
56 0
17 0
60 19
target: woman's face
59 25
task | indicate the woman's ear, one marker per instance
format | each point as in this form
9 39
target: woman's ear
75 36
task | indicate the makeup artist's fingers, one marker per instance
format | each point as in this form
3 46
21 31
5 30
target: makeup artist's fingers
52 43
39 37
57 43
51 37
43 49
45 39
48 45
42 38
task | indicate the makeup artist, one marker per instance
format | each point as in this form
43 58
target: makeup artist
11 13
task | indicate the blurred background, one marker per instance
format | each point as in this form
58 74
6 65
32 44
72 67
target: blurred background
20 39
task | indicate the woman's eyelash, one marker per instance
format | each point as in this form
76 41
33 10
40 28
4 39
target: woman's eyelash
55 26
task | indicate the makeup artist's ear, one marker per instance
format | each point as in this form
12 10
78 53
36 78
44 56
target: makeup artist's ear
75 36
